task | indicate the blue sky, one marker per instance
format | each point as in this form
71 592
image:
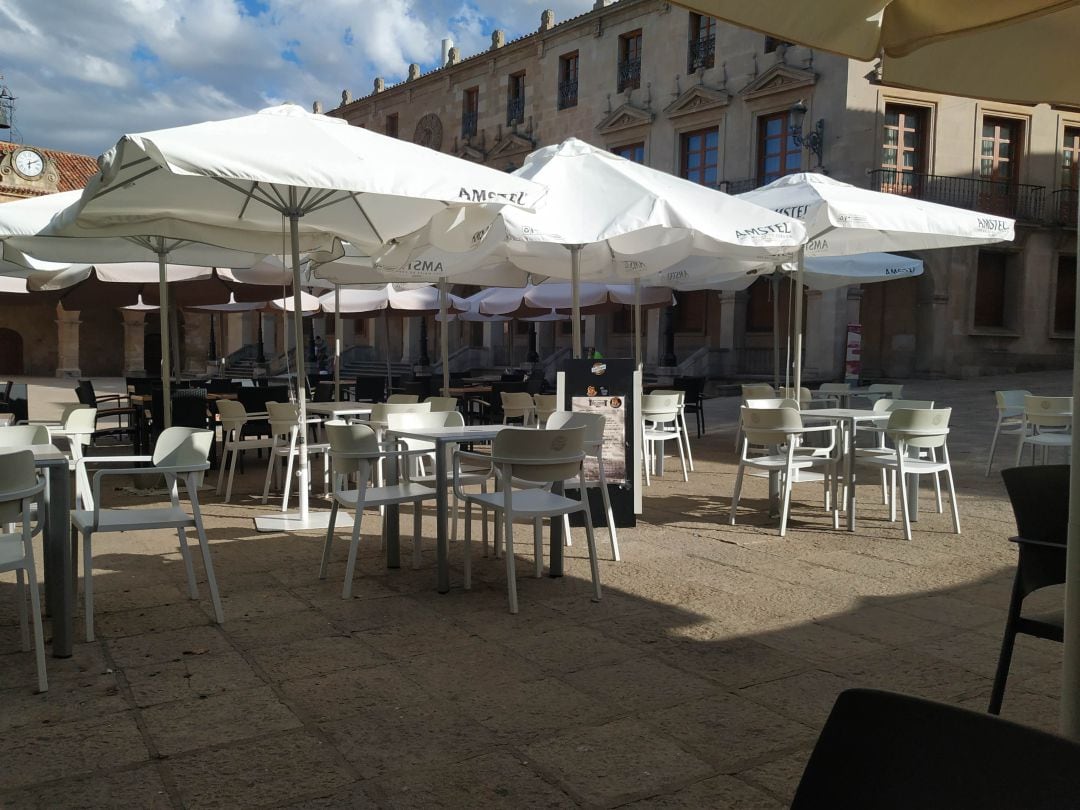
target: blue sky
85 72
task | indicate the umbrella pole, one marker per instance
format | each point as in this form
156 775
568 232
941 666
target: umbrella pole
798 331
166 358
301 360
637 322
775 282
443 334
386 336
1070 693
337 343
575 298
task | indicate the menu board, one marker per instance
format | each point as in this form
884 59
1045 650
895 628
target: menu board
613 410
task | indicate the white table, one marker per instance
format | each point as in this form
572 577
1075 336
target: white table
335 410
848 419
59 577
441 437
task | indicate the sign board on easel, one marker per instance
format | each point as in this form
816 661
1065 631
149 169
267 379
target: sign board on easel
853 356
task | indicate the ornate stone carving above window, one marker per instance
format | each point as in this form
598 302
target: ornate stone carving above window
778 79
698 98
623 118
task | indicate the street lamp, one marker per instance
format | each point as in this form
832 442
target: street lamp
814 140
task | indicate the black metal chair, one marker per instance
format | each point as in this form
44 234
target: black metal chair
84 390
884 751
1040 502
694 401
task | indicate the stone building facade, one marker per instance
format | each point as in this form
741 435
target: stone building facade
714 103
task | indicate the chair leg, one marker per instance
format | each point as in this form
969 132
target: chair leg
467 563
735 495
952 500
646 447
204 547
904 506
354 545
185 554
610 518
682 458
511 574
24 619
538 547
329 539
39 634
686 440
287 483
232 474
88 586
785 506
224 464
590 537
271 463
1008 641
567 540
993 447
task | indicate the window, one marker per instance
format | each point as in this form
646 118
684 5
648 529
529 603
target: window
632 151
515 98
1065 295
630 61
568 76
700 152
772 43
470 111
690 311
777 152
997 158
701 53
392 125
903 148
1070 158
990 289
759 306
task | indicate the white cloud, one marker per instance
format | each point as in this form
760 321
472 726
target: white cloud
86 71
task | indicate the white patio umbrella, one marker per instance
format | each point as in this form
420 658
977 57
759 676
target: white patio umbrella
606 218
842 219
237 182
26 237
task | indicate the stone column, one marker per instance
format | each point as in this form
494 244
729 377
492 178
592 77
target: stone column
732 327
826 330
134 331
654 336
67 342
196 342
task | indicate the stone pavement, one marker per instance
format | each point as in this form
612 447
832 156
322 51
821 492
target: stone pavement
700 680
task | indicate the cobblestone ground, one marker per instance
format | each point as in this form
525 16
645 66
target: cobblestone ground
700 680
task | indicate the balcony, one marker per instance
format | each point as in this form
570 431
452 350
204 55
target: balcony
567 94
1063 207
629 74
737 186
1016 200
468 124
701 55
515 111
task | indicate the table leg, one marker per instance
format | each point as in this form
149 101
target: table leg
847 438
391 517
59 591
442 508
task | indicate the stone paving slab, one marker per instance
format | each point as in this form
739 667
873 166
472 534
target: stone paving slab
700 680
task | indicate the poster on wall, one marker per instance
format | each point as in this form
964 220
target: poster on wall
853 356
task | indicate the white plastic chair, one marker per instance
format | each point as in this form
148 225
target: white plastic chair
782 429
660 424
684 433
1010 418
180 454
1047 424
878 391
354 449
753 391
442 404
880 447
20 487
546 405
518 405
23 435
832 393
805 397
918 430
541 458
402 399
285 445
594 446
234 417
419 450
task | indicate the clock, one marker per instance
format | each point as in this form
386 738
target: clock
28 163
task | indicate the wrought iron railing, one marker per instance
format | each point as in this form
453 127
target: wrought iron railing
567 94
1016 200
701 54
515 110
737 186
468 124
629 74
1063 207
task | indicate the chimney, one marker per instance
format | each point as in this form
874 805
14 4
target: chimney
447 44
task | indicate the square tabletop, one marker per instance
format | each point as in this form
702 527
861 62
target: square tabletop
466 433
846 413
339 408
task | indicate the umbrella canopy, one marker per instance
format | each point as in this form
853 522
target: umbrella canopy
237 182
1018 51
309 302
536 299
842 219
606 218
370 302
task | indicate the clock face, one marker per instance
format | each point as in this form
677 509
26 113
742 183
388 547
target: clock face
29 163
